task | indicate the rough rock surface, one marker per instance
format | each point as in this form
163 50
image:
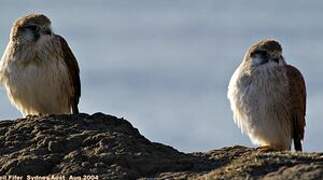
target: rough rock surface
104 145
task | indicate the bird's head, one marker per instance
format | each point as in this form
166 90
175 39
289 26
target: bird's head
264 53
30 28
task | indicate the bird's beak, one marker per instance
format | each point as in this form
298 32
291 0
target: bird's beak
277 59
46 31
264 61
36 35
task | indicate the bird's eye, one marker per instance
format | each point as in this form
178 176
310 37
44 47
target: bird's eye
262 53
32 27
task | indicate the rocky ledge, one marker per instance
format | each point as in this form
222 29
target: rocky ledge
112 148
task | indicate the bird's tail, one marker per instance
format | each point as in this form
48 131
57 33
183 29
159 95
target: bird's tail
75 109
298 144
296 136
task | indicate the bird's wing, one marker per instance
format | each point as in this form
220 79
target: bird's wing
297 90
74 73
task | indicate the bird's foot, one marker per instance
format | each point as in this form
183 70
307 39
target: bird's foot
265 149
32 116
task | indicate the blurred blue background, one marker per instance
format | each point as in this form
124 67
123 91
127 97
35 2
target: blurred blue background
165 65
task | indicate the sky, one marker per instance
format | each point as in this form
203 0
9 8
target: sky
165 65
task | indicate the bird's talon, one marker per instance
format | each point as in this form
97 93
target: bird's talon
265 149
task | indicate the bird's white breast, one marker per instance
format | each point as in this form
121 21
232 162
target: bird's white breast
259 101
36 84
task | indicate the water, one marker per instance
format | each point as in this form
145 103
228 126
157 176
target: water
165 65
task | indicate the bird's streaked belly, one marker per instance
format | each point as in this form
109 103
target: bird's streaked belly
261 108
39 88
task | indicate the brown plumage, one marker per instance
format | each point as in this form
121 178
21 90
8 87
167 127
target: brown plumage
267 44
74 74
268 98
297 91
39 70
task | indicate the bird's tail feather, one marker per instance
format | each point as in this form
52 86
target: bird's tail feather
75 109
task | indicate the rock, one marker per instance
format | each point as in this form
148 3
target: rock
112 148
28 165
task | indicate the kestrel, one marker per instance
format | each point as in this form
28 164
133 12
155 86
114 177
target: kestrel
268 98
38 69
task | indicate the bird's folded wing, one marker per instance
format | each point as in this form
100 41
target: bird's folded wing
298 100
73 70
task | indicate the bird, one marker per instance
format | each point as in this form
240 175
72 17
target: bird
268 98
38 69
